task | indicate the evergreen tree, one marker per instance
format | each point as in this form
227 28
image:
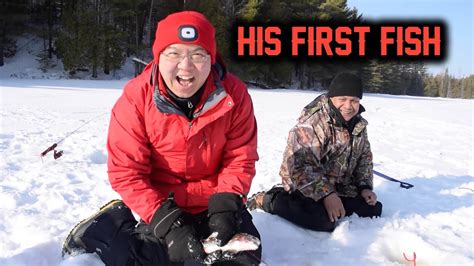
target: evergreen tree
375 78
317 75
468 87
131 19
442 85
250 10
417 86
336 10
89 40
14 15
431 86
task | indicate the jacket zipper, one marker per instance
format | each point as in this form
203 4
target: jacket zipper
351 140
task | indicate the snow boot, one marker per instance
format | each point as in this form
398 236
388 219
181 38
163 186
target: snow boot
255 201
264 200
106 233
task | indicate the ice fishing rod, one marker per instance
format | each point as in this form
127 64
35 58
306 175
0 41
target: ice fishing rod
58 154
404 185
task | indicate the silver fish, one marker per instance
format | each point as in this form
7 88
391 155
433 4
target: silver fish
239 242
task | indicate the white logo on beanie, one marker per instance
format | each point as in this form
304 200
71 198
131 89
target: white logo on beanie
187 33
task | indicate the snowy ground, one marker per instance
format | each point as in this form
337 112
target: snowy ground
425 141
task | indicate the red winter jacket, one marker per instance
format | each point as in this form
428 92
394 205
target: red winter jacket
154 149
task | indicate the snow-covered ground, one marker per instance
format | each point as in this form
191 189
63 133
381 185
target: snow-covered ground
424 141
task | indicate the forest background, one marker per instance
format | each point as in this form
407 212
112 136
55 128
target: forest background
96 36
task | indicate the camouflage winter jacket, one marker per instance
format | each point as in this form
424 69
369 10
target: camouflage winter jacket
321 157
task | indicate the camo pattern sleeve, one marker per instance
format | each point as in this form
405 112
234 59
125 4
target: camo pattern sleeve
302 168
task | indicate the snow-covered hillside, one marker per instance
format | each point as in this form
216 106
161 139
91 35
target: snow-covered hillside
28 64
425 141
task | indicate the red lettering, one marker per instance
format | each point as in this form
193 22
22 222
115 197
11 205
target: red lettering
385 40
259 40
311 41
362 30
413 41
295 40
344 41
323 41
399 41
242 41
435 41
272 41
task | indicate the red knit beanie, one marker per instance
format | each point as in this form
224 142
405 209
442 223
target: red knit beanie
187 27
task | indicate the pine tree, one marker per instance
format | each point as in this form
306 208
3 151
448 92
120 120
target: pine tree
89 39
376 78
231 7
250 10
469 89
335 10
431 87
14 14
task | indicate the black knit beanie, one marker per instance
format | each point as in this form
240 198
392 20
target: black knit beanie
345 84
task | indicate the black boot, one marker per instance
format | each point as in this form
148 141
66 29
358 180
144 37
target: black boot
264 200
106 233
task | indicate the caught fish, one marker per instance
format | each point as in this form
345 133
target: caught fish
240 242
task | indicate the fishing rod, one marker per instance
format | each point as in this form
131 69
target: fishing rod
404 185
57 154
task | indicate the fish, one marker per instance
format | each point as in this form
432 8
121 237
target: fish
239 242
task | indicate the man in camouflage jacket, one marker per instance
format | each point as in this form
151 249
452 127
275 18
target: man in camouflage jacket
327 165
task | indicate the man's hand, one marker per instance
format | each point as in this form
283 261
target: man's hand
334 207
224 212
369 196
183 242
176 228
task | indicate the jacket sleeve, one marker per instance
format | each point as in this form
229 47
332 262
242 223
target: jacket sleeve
302 168
129 154
240 150
363 172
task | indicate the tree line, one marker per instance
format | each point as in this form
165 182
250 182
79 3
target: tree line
98 35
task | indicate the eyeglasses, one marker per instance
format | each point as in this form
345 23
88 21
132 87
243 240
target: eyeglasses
175 57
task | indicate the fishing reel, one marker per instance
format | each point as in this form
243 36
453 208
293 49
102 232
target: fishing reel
56 154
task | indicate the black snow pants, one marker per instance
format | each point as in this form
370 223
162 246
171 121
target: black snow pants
310 214
132 244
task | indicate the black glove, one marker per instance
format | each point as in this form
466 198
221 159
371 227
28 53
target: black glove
176 228
225 215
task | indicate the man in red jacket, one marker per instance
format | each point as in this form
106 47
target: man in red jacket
182 147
